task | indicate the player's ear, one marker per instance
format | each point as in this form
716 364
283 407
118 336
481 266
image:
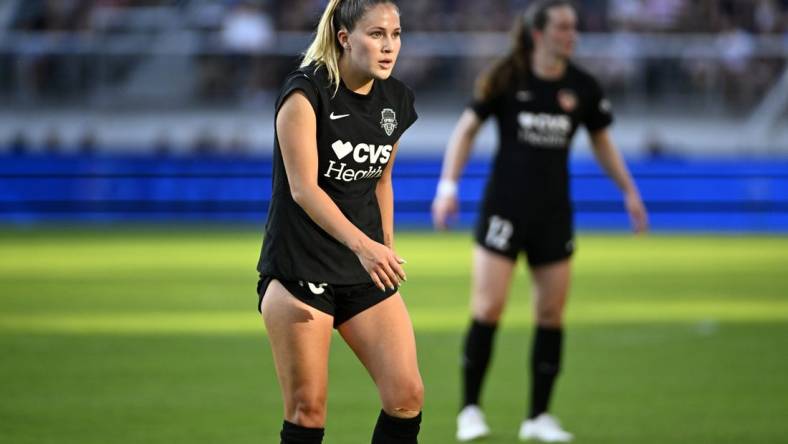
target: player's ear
536 35
344 39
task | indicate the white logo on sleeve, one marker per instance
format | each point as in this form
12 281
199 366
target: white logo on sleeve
388 120
338 116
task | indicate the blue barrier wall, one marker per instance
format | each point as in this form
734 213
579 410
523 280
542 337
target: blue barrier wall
729 195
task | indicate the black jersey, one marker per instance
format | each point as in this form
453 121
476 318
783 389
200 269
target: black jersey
355 138
537 120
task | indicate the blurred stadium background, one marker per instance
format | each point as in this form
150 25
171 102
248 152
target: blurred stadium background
135 144
181 93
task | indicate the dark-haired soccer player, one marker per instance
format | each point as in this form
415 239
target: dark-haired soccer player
539 98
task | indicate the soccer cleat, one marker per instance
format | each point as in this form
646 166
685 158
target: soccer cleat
544 428
471 424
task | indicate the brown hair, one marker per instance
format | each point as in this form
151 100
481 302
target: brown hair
512 67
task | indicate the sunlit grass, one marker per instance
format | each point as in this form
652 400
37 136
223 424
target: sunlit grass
153 336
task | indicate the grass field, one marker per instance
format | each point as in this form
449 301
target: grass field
151 336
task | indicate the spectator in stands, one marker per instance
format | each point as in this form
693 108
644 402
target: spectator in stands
88 142
52 144
19 143
42 71
247 31
206 143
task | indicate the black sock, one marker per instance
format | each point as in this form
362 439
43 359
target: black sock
393 430
545 366
475 359
295 434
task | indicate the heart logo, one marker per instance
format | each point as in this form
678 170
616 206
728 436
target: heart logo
342 149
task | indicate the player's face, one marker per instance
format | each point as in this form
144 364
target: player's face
560 33
375 41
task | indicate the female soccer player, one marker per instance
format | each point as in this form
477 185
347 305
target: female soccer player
328 258
539 98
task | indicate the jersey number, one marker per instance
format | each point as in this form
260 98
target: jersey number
498 233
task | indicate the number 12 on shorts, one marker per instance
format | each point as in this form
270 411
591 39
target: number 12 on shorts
499 231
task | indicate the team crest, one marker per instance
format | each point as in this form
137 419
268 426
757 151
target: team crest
388 120
568 100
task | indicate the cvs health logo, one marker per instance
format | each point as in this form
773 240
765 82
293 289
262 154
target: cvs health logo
362 153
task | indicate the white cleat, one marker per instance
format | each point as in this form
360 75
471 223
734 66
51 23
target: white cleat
544 428
471 424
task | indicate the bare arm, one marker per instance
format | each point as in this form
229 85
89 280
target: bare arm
613 164
385 195
296 127
445 205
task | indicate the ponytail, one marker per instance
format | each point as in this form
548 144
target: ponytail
325 49
512 68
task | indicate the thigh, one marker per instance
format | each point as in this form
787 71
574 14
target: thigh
300 336
382 337
550 237
492 277
551 290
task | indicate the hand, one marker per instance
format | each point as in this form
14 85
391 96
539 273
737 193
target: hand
444 209
637 212
382 264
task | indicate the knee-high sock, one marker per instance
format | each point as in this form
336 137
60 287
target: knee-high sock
545 366
393 430
295 434
475 359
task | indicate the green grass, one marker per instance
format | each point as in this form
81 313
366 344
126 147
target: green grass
152 336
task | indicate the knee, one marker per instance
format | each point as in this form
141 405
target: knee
307 409
549 316
487 310
405 399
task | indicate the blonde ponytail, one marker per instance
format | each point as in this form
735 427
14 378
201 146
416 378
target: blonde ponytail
324 49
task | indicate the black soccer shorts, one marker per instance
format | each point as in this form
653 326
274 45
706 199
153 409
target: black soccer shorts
545 237
340 301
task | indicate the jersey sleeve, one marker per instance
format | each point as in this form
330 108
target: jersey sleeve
599 113
484 108
299 81
410 109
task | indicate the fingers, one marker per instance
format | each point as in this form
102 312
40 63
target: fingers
384 267
637 213
443 209
385 277
393 272
643 222
400 262
388 276
438 222
639 220
636 222
438 218
441 220
390 273
398 270
377 281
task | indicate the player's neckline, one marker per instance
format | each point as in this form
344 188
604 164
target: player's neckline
356 95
